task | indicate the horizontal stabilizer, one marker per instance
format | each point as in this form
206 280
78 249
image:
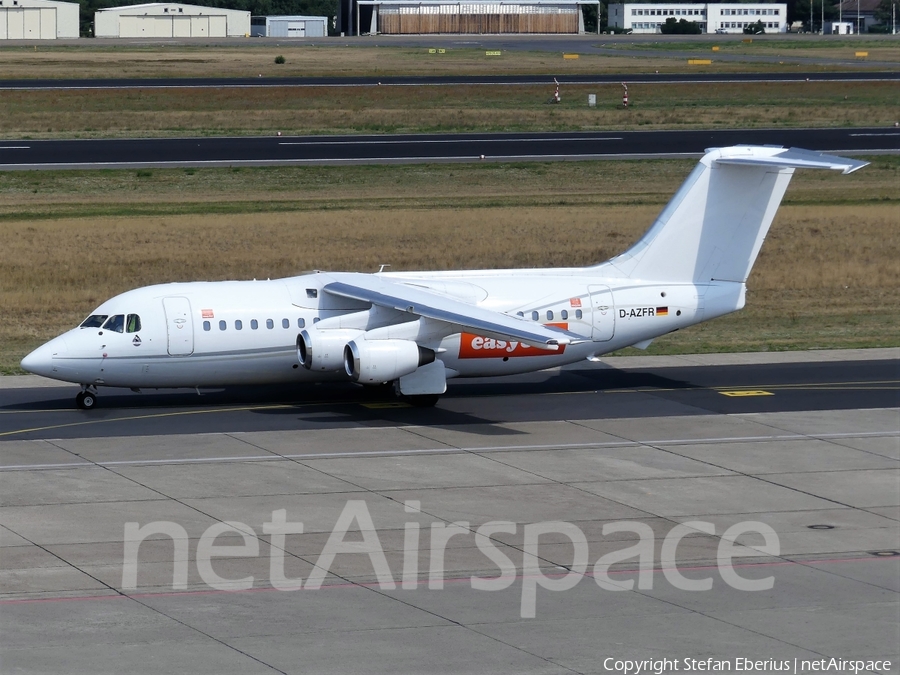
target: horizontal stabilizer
796 158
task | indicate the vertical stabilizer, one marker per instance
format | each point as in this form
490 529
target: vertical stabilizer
714 226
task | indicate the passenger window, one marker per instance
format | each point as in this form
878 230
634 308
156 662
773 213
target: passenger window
133 324
520 314
535 316
564 314
312 292
578 314
254 324
206 325
115 323
222 325
549 315
94 321
301 323
270 324
285 323
238 324
316 319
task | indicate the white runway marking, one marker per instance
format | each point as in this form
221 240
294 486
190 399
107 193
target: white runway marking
450 140
624 443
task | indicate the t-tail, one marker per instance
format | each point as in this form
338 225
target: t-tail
712 229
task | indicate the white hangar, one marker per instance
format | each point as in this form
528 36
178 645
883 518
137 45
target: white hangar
38 19
165 20
289 26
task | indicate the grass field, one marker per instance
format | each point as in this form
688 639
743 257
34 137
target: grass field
373 109
827 276
257 58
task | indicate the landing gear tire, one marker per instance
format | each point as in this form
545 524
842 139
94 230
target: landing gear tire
86 400
421 400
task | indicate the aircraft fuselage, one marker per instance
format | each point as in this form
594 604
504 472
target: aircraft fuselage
206 334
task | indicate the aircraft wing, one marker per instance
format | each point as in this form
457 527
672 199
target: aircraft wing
400 296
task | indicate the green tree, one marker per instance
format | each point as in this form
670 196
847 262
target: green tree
758 28
883 12
679 27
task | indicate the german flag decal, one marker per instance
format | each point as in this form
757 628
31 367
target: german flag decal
662 311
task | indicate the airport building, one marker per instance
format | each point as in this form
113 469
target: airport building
38 20
712 17
432 17
289 26
165 20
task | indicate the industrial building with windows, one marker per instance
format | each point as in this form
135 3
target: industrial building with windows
712 17
289 26
165 20
38 20
430 17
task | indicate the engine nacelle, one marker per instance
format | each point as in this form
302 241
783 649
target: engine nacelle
376 361
323 351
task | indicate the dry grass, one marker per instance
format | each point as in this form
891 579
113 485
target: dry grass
179 112
256 58
827 275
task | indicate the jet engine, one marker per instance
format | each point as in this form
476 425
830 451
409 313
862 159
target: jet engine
376 361
323 350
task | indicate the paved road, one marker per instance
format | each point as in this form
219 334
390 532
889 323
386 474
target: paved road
444 80
586 391
655 456
274 150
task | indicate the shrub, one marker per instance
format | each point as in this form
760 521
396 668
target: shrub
680 27
279 59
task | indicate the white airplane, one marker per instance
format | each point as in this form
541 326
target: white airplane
419 329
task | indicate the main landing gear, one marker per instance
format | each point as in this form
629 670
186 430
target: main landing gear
86 398
421 400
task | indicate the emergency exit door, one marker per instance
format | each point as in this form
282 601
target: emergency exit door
603 313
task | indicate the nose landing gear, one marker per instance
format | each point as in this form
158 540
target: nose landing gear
86 398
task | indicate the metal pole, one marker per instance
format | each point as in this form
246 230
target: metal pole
810 16
858 26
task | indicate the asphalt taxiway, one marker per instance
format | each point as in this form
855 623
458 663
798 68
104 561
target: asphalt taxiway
411 148
814 458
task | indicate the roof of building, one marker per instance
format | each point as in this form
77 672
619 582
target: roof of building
146 5
867 6
454 3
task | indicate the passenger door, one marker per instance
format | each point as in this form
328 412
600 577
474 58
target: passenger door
179 326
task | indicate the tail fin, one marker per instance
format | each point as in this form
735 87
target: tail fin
714 226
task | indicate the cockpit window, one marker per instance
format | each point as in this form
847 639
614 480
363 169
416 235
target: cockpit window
133 323
115 323
94 321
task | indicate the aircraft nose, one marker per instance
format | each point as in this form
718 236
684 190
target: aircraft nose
40 361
